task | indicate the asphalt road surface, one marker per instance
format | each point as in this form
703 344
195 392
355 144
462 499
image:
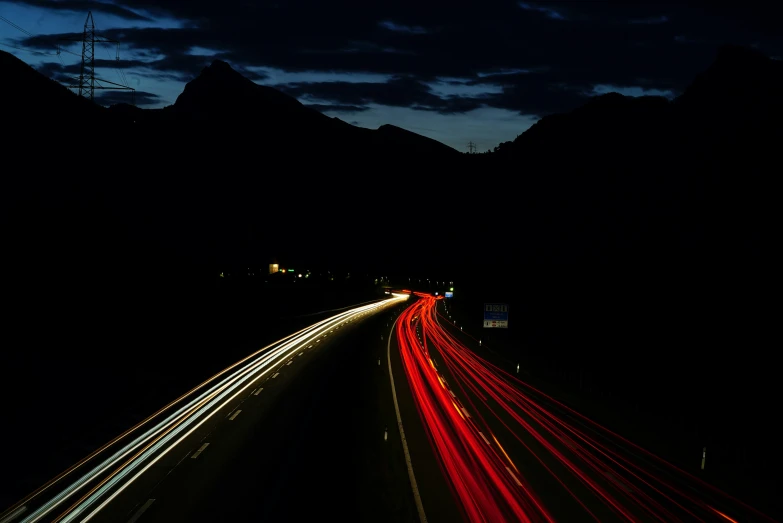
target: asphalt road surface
311 435
514 454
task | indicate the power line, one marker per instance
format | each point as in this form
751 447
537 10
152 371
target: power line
31 35
9 22
120 72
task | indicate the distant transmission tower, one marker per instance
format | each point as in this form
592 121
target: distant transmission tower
86 81
471 147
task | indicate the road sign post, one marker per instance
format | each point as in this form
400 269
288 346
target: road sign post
495 315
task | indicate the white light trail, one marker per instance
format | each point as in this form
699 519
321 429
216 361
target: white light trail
200 405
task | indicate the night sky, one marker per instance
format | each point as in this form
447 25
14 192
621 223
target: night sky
457 72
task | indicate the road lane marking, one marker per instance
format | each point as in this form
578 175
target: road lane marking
201 449
484 437
452 394
235 415
177 465
256 393
290 362
513 476
139 512
411 475
275 375
301 353
465 412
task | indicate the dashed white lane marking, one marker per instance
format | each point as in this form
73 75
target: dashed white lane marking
309 346
234 415
276 374
141 510
290 362
465 412
513 476
256 393
484 437
452 394
201 449
301 353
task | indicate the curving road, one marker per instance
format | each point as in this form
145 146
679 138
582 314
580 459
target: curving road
331 422
511 453
176 464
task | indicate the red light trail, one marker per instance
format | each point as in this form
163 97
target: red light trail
471 405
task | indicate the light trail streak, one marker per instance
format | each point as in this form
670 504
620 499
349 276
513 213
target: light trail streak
123 460
605 475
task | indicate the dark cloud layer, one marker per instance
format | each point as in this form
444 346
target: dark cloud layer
564 47
82 6
397 92
139 98
337 107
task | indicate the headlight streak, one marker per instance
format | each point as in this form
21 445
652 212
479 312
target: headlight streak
193 414
616 475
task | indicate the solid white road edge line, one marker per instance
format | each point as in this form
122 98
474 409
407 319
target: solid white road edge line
414 486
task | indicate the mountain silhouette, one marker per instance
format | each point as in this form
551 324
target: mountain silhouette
652 215
219 108
31 99
619 163
656 166
633 170
219 91
741 88
246 112
404 141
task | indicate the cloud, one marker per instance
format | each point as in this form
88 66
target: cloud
337 108
391 26
139 98
554 14
82 6
56 71
176 67
629 90
533 57
651 20
397 92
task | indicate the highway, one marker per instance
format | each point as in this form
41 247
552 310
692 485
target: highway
251 442
512 453
382 413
